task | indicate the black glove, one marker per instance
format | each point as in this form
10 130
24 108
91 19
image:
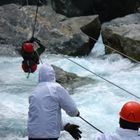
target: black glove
78 114
73 130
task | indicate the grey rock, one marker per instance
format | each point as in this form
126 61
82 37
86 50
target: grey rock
123 34
70 80
75 30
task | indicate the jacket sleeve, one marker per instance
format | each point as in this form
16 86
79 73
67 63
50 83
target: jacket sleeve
66 102
41 48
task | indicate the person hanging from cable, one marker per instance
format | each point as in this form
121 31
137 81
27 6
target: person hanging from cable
30 55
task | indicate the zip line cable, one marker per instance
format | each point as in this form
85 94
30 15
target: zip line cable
90 124
38 1
103 78
34 27
35 20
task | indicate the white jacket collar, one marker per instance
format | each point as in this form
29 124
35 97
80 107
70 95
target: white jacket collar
127 132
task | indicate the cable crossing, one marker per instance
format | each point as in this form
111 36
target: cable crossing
134 60
35 20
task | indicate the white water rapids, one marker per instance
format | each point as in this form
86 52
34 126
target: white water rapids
98 103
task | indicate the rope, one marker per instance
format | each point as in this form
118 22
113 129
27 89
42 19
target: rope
103 78
38 1
29 69
91 124
34 26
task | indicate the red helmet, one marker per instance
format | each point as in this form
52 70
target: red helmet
27 47
131 112
26 68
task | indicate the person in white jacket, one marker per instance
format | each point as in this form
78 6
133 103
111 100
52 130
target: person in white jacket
45 104
129 124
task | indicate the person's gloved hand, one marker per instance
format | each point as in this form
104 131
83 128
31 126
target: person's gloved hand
78 114
73 130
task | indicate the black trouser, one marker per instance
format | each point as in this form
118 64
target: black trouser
43 139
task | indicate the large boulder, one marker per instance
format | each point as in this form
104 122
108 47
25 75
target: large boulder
106 9
70 80
123 34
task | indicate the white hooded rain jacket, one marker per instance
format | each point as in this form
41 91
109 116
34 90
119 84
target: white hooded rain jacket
45 103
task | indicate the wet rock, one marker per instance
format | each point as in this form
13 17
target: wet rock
76 30
70 80
123 34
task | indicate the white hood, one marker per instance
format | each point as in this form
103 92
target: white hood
46 73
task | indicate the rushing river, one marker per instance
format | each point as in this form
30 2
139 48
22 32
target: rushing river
99 104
